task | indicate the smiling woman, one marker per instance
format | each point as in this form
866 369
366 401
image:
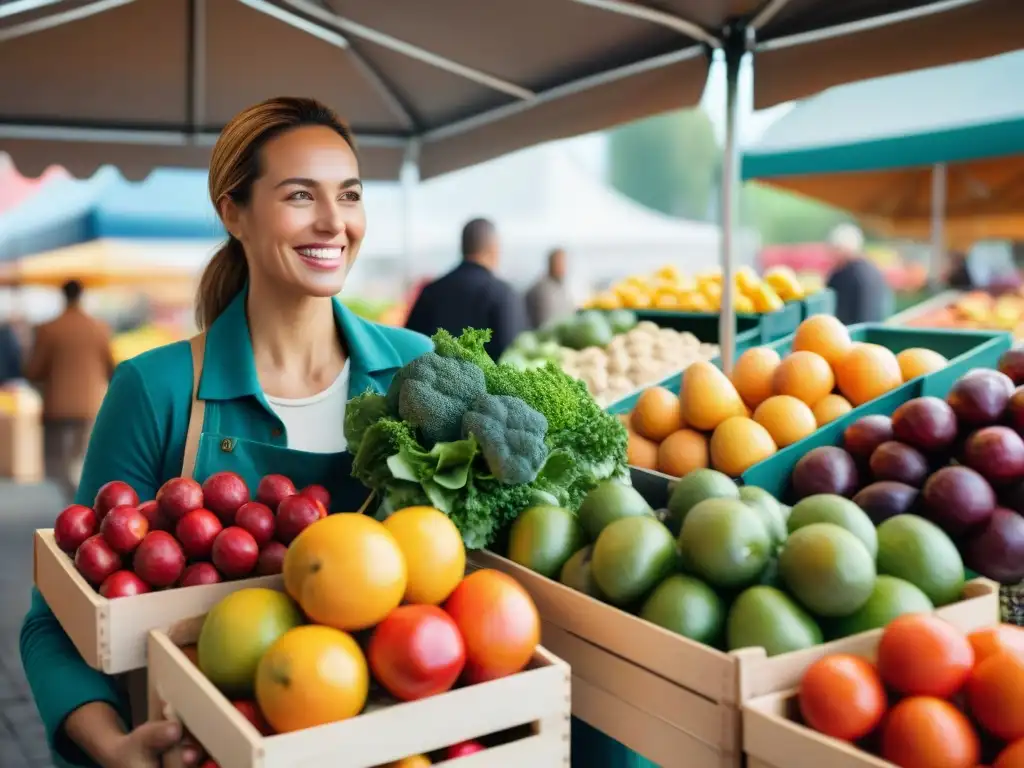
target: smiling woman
269 377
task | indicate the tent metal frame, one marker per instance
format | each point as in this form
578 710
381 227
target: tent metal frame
736 39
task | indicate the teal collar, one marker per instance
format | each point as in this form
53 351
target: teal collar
229 368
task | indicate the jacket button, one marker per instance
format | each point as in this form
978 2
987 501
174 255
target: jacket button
276 432
227 445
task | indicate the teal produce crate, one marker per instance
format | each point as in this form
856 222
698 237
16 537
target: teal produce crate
673 383
964 350
821 303
704 325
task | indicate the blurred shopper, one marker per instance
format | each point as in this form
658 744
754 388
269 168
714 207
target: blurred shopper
471 295
71 363
862 293
549 299
10 354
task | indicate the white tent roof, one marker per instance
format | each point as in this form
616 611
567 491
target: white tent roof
539 197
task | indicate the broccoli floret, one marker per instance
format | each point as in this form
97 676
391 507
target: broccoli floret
511 437
469 346
595 440
435 392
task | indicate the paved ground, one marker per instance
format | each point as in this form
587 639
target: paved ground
22 510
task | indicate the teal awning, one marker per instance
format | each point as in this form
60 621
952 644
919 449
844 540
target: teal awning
942 115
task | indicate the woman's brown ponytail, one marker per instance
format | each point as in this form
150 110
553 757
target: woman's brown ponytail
222 280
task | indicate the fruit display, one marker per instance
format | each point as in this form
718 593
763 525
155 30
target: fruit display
769 402
958 463
481 441
933 697
669 289
190 534
977 310
731 567
610 352
373 614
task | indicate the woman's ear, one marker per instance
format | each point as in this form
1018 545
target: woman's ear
231 216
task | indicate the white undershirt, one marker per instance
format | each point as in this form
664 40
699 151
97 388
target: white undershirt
315 424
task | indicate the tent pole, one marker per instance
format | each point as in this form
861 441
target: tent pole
410 179
938 254
734 47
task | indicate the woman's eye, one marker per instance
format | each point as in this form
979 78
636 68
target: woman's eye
352 196
300 195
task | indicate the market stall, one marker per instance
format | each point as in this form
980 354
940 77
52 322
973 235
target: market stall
415 101
935 155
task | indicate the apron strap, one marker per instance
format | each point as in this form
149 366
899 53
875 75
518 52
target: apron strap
198 413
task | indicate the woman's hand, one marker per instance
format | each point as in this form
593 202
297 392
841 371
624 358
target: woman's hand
143 747
97 729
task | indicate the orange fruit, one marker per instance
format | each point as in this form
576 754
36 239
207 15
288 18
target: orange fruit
830 408
786 419
682 452
641 452
917 362
805 376
868 371
738 444
998 639
1012 756
842 696
823 335
752 374
311 676
435 557
922 655
925 732
416 761
995 693
708 397
346 571
499 623
657 414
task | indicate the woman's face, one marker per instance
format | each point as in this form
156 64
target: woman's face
305 220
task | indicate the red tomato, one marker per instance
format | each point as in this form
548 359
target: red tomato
922 655
417 651
842 696
499 622
464 749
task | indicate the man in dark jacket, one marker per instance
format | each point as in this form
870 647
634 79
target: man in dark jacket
471 295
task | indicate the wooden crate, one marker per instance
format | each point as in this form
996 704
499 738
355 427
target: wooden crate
675 701
537 697
772 738
111 634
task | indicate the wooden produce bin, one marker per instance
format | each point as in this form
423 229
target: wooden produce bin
675 701
538 698
21 436
772 738
111 634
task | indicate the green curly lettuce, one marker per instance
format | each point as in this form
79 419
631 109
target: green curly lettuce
467 478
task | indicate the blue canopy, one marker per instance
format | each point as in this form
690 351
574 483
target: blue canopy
169 204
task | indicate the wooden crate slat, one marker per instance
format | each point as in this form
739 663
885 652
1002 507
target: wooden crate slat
539 696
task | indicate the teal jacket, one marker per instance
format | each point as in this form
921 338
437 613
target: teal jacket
139 437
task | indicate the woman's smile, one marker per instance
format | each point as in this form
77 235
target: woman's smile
326 258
